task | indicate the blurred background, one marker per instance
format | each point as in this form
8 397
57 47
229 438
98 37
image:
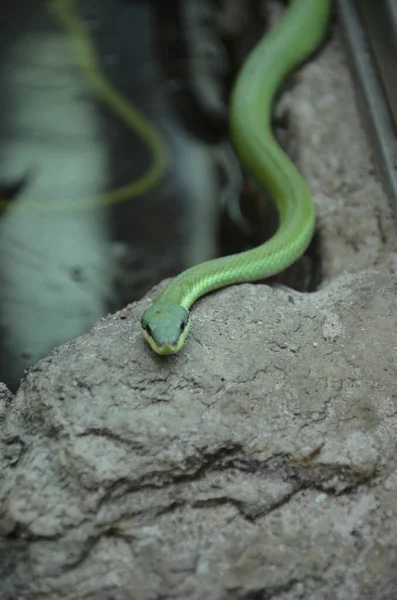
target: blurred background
71 73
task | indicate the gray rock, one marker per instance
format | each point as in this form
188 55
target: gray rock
259 463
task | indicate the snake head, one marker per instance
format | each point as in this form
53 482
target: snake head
165 326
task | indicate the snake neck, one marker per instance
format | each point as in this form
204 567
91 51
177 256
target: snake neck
289 43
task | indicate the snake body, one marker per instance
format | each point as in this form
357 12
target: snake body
299 32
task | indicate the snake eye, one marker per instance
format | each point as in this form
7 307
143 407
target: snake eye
149 331
182 326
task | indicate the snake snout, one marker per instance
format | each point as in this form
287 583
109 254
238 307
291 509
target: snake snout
165 326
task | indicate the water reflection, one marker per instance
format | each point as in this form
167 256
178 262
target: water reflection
62 269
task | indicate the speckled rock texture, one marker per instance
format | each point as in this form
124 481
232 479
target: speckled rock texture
260 463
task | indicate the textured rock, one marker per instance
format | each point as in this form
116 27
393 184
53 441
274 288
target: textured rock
235 470
258 464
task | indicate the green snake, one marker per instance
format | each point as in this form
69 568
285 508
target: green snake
166 322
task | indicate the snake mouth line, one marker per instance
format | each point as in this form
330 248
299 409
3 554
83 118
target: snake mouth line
163 350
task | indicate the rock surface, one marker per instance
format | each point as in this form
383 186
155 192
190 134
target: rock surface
258 464
235 470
